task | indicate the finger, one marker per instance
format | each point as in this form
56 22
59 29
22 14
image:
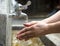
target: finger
21 31
23 35
25 30
30 23
29 37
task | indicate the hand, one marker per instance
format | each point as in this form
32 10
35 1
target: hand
32 29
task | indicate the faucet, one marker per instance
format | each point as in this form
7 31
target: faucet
17 12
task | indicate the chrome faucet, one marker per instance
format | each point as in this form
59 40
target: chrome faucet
19 7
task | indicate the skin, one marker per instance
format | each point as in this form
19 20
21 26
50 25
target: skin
54 27
39 28
53 18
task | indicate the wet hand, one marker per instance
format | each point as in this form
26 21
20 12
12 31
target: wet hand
32 29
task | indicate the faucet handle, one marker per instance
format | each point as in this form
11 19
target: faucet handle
28 3
23 7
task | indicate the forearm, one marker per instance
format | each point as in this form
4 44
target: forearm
54 27
53 18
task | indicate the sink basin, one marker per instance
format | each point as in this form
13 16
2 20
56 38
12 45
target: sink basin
44 39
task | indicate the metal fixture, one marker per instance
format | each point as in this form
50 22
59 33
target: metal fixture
17 9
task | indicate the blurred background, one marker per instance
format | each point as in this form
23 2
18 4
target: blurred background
40 8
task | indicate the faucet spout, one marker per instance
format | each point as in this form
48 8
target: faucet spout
18 9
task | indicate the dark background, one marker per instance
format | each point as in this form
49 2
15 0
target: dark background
39 6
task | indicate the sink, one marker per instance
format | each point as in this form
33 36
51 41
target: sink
44 39
17 24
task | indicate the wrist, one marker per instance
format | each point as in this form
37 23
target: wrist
49 28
